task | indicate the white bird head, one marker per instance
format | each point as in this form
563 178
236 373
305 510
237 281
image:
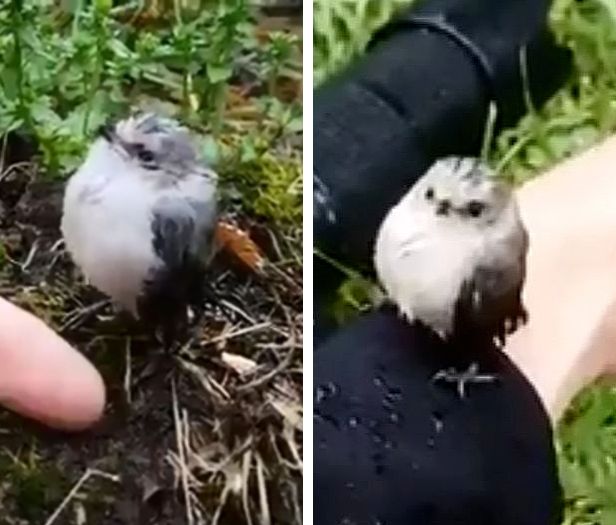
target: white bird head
457 228
463 190
153 146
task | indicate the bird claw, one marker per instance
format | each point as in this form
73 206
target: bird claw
513 323
509 326
442 334
461 378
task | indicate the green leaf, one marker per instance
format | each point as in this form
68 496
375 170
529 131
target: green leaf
3 256
210 151
8 79
248 150
103 6
218 73
295 125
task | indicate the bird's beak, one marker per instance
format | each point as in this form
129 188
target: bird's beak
443 207
107 131
117 144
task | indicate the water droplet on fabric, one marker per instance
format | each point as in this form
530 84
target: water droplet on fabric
326 391
320 394
393 397
377 459
395 391
440 94
331 420
437 421
332 389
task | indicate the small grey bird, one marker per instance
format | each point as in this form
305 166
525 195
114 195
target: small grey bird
139 218
452 255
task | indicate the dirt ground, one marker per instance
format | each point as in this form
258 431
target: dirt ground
210 433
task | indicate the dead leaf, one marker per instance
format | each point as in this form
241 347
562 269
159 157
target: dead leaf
81 517
242 365
237 96
291 411
287 89
238 244
149 488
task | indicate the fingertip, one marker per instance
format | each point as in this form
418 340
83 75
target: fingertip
42 377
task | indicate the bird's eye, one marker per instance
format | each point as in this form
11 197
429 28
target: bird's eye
429 194
145 155
475 208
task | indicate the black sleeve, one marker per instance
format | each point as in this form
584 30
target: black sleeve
393 447
422 91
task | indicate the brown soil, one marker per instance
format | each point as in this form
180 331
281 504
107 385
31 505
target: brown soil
182 430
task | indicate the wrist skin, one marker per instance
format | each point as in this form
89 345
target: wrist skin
570 288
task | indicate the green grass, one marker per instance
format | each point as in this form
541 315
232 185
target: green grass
217 66
32 486
580 114
70 66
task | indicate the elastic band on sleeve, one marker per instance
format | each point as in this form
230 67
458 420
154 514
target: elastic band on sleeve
440 25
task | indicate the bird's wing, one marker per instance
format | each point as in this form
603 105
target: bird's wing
407 232
183 231
489 302
501 275
183 228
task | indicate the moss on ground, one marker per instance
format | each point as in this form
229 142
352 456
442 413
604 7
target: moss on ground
192 437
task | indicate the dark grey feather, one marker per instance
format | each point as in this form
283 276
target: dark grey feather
182 228
183 232
490 304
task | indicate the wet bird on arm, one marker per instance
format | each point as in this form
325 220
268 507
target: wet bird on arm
451 255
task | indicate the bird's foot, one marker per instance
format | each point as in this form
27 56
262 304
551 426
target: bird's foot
462 378
514 322
167 339
520 317
79 316
510 325
172 338
442 334
195 315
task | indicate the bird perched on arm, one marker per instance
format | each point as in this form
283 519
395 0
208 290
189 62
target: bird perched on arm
139 218
452 255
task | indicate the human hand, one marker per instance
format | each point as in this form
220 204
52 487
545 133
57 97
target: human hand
42 377
570 289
